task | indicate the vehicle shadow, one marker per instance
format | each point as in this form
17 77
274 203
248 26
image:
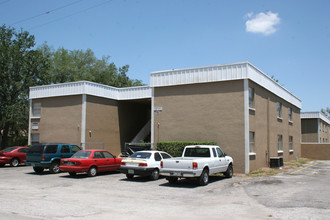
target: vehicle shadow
141 179
84 175
40 174
192 182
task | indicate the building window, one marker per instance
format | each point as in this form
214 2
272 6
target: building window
290 114
36 109
291 143
251 97
279 143
35 126
279 109
35 139
251 140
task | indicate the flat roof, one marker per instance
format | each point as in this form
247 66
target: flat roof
218 73
315 115
90 88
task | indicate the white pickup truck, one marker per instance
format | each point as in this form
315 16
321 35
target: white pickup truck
197 162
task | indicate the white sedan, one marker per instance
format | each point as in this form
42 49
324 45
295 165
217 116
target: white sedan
145 163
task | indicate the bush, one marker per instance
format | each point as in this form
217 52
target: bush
175 148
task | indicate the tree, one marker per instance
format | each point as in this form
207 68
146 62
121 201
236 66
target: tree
21 66
326 112
75 65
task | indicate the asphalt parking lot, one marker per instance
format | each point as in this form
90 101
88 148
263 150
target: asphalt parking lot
297 194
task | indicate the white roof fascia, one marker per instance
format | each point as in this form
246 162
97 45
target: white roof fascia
218 73
90 88
317 115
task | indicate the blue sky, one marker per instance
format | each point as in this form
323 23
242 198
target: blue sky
289 40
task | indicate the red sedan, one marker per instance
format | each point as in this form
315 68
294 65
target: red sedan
90 161
13 156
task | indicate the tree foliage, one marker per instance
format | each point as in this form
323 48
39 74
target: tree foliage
20 67
23 66
326 112
75 65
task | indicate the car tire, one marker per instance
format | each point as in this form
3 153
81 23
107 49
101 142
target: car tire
129 176
2 164
203 180
54 168
229 172
92 171
172 180
155 174
72 173
14 162
38 169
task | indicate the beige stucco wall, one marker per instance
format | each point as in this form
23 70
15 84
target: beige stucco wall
264 122
309 130
102 123
203 112
315 151
60 119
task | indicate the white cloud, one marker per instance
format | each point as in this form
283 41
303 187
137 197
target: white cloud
262 23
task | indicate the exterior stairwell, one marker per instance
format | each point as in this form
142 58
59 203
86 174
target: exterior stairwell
143 133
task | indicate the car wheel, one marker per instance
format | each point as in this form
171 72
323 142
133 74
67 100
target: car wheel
229 172
72 173
204 178
92 171
54 168
14 162
2 164
172 179
130 176
38 169
155 174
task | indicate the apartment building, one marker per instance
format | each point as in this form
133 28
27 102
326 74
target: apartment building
315 128
235 105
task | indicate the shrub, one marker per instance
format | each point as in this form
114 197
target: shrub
175 148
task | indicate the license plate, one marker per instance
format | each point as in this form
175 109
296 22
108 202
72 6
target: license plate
132 164
175 173
69 163
130 171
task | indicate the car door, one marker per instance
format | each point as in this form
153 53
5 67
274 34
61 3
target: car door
99 161
65 151
221 157
110 162
216 161
157 159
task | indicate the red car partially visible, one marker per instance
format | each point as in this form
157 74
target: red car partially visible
90 162
13 156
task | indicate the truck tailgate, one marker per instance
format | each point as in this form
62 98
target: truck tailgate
178 163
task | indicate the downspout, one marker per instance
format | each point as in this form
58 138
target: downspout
246 126
30 112
152 138
318 130
83 122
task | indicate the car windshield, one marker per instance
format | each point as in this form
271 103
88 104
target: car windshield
9 149
141 155
82 154
197 152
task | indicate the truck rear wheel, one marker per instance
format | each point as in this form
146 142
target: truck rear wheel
54 168
204 178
